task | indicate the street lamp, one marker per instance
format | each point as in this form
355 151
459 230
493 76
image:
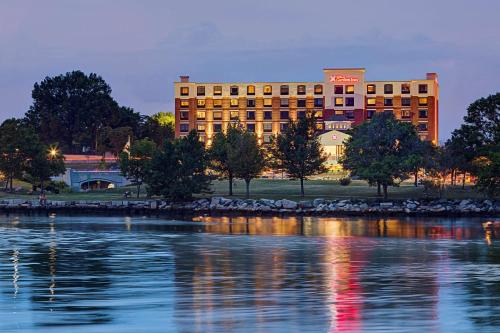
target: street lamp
53 152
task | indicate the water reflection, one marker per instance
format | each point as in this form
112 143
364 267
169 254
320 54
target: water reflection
228 274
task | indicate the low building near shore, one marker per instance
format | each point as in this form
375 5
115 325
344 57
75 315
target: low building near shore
333 145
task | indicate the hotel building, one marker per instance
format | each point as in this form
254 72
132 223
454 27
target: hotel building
343 99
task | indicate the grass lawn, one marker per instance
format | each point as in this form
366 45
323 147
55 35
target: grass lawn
276 189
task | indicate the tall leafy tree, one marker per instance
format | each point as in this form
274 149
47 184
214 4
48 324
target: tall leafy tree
418 158
179 170
45 163
245 156
489 173
297 150
159 127
136 163
113 140
377 151
71 109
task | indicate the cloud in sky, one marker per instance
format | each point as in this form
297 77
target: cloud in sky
140 47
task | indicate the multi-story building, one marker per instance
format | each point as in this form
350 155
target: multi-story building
343 99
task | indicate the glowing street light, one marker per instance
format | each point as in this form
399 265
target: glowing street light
53 152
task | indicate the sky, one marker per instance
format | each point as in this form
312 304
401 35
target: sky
140 47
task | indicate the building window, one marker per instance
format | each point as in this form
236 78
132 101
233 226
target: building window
217 90
184 91
200 90
301 89
284 115
184 127
422 113
250 90
217 128
339 112
200 128
284 90
268 115
284 102
387 101
268 90
301 114
422 127
370 113
349 89
251 115
422 101
234 91
251 128
406 101
184 115
217 103
268 102
422 89
320 126
318 102
200 115
251 103
301 103
184 103
370 89
201 138
234 102
349 114
318 89
349 101
267 139
268 127
405 114
217 115
318 114
387 88
200 103
234 115
283 126
371 101
339 101
338 90
405 88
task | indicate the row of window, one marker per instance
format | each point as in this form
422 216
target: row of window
267 90
268 102
405 114
405 101
235 115
389 89
217 128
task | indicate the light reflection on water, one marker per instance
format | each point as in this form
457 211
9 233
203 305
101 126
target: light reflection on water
112 274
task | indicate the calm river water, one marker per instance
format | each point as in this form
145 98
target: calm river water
122 274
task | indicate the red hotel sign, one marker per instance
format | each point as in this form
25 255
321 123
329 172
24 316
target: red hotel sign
343 79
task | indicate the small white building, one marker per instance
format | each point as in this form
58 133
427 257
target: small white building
333 145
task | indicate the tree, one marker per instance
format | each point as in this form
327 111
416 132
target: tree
18 144
377 151
136 164
159 128
418 158
179 170
245 157
71 109
489 173
298 151
218 153
45 163
113 139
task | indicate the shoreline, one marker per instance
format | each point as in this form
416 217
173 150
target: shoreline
220 206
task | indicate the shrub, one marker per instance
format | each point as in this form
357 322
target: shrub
344 181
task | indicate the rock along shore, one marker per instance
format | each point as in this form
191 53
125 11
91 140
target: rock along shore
225 206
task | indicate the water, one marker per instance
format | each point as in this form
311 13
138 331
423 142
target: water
122 274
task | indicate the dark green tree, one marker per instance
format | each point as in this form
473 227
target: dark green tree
377 151
179 170
113 140
418 158
45 163
245 156
489 174
136 163
298 151
71 109
159 128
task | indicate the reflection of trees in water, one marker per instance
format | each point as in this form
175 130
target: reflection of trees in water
482 283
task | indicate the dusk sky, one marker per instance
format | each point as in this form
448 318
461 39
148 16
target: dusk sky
140 47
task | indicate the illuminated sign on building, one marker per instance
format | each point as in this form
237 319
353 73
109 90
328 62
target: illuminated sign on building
343 79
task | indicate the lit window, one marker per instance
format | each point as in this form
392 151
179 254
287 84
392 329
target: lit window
405 88
234 102
422 113
387 88
184 91
250 90
217 115
318 102
267 139
234 91
217 103
268 115
201 138
284 90
200 90
318 114
251 115
318 89
184 127
422 101
234 115
371 101
200 128
406 101
268 102
284 102
320 126
349 89
387 101
251 103
339 101
339 112
405 113
200 103
217 90
422 89
370 89
301 89
268 127
301 103
268 90
184 103
200 115
339 90
251 127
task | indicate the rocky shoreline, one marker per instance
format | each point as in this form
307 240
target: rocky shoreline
221 205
